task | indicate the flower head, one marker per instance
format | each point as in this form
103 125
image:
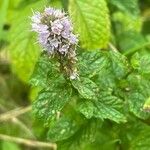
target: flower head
55 34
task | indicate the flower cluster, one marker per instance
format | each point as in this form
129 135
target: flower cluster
55 35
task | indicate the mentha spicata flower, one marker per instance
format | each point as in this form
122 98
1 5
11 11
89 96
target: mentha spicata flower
55 35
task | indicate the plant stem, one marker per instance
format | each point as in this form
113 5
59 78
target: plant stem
14 113
19 123
28 142
113 47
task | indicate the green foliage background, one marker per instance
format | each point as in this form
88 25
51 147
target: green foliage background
109 107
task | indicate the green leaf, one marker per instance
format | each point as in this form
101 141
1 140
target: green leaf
125 22
141 141
91 63
84 136
119 64
128 6
86 108
13 4
141 62
136 102
44 71
63 129
51 100
112 71
86 88
107 107
136 41
106 68
106 79
109 113
39 76
10 146
91 21
56 3
139 89
3 14
130 131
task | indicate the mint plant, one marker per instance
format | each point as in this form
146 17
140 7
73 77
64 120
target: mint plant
84 66
104 89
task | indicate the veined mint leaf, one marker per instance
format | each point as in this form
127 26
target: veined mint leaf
105 111
63 129
136 103
91 63
98 63
114 70
86 88
139 92
106 107
44 71
91 21
84 136
119 64
87 108
51 100
141 62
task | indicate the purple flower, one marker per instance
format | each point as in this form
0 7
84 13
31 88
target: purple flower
36 18
54 42
59 14
55 35
67 24
49 11
43 38
64 49
56 27
73 39
40 28
65 34
49 49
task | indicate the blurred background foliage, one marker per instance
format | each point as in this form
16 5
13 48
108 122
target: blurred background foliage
127 27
